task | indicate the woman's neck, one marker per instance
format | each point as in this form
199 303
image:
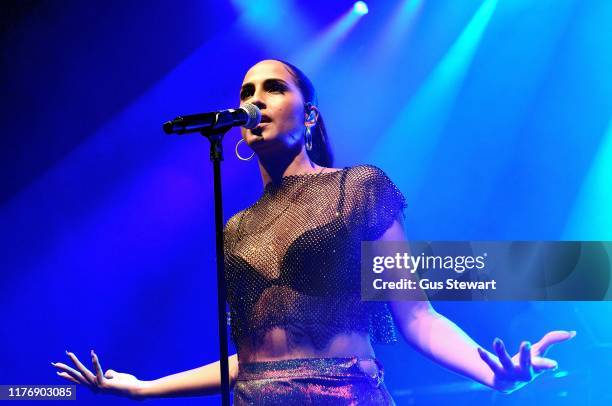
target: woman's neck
273 170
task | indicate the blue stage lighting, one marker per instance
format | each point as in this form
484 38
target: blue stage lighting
360 8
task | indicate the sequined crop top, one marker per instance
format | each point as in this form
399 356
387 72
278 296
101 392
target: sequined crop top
292 259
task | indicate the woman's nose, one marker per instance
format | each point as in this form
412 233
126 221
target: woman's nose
257 102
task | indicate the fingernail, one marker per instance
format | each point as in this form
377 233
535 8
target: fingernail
67 353
572 333
53 363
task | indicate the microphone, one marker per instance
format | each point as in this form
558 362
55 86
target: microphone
248 116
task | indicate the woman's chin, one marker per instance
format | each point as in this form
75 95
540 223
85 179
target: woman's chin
259 130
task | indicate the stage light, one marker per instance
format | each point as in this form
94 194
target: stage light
264 19
394 35
360 8
324 45
590 217
429 106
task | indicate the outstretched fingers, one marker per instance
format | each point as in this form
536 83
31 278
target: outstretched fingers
68 377
525 361
91 378
67 371
503 356
97 368
541 364
494 365
551 338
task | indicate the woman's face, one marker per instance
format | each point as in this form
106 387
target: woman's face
270 86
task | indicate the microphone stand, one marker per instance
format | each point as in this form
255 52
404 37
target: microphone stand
215 136
223 122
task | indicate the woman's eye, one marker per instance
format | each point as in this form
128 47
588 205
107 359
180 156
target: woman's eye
275 87
245 94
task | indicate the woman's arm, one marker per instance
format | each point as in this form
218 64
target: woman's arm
443 341
432 334
202 381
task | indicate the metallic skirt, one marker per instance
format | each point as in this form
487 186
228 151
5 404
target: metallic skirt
312 381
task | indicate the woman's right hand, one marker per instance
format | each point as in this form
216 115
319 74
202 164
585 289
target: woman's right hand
110 382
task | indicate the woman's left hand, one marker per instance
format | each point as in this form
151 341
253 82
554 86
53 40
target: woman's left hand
512 373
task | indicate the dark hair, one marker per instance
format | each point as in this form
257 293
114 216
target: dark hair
321 152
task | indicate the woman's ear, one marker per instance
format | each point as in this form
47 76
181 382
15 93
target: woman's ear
311 115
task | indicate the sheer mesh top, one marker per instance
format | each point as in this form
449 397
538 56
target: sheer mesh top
292 259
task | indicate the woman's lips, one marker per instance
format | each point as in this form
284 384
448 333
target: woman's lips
258 130
265 120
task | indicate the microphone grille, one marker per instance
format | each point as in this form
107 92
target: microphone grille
254 115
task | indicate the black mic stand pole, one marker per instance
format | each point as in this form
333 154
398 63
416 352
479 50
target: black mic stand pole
215 136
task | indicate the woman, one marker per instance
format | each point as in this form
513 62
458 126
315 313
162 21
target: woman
292 267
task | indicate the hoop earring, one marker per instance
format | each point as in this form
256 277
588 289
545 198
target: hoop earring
308 139
238 154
